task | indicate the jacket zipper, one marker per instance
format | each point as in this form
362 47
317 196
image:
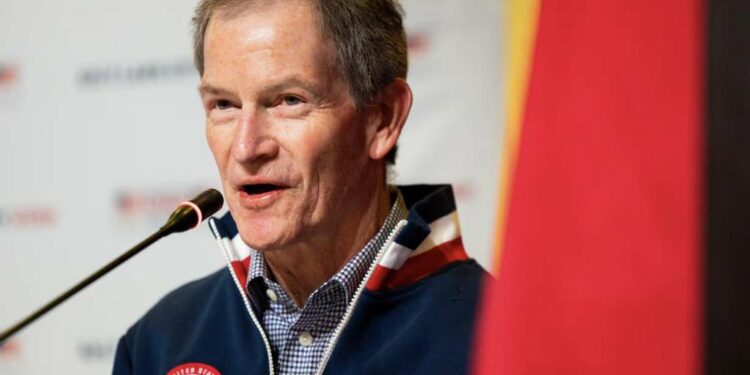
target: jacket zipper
347 315
350 309
240 288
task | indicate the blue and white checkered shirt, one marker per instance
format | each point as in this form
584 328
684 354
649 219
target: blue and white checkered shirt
299 337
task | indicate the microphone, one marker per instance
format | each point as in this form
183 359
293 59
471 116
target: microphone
190 214
187 215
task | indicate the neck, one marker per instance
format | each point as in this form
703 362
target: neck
303 269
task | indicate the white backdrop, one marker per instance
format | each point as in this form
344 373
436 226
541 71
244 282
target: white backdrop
101 133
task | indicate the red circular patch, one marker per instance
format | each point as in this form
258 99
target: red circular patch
193 369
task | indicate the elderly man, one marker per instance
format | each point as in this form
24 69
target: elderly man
330 269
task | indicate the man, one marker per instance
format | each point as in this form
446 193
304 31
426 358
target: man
330 269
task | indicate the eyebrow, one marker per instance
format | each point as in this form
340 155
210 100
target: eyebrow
205 88
293 81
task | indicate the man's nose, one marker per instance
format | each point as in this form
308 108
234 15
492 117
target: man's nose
254 140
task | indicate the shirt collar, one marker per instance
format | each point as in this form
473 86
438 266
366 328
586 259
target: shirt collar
349 277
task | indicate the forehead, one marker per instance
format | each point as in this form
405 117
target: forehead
231 10
289 30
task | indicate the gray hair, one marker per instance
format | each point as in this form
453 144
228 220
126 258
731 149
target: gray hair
368 39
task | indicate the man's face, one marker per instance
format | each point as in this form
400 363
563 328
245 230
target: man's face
289 144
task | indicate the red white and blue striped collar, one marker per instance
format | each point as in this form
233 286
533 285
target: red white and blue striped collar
430 240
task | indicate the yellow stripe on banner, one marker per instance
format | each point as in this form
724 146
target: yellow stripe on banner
522 18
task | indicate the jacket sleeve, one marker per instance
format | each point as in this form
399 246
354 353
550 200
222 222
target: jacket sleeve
123 363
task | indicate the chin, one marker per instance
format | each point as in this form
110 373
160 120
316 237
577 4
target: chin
270 228
263 235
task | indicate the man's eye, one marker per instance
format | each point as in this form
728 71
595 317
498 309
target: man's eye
223 104
292 100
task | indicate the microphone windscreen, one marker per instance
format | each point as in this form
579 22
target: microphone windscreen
209 202
190 214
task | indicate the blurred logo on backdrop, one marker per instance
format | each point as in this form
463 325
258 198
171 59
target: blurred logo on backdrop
10 350
139 207
11 358
417 43
8 75
27 216
134 74
92 350
464 190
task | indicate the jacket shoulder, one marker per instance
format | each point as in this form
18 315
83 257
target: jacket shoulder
423 328
200 321
179 308
188 299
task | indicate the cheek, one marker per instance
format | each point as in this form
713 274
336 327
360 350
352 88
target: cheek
342 160
347 138
219 142
350 149
325 155
328 150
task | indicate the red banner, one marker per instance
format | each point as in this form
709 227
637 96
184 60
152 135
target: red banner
600 269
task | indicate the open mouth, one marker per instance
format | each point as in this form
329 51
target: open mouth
257 189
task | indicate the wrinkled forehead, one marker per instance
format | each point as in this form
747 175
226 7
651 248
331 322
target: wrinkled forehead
234 9
305 20
269 47
284 24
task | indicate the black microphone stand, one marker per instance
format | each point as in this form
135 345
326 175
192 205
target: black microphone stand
187 215
77 288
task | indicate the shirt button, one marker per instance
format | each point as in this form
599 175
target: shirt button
272 295
305 339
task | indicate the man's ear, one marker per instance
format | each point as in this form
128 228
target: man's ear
393 105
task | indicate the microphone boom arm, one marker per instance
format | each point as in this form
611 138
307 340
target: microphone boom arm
78 287
187 216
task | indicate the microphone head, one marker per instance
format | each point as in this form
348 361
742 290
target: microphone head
190 214
209 202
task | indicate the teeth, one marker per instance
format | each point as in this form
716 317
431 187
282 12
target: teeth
259 188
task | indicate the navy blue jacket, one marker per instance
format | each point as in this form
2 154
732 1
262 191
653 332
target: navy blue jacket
414 313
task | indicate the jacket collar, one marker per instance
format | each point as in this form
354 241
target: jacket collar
430 240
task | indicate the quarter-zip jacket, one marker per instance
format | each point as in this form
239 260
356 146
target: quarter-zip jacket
413 313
